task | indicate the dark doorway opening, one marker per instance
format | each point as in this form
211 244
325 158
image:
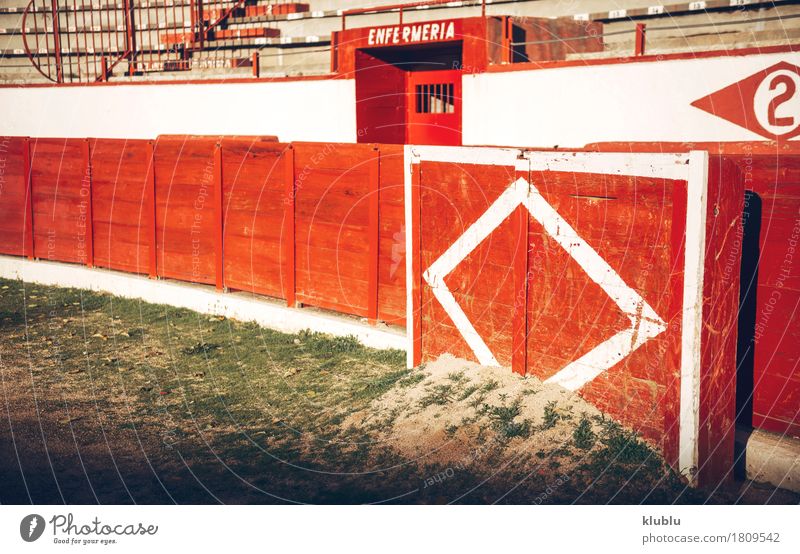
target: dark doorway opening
748 291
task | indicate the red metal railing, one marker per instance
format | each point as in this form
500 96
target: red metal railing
77 41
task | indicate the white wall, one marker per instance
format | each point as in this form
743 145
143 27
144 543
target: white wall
573 106
567 107
313 110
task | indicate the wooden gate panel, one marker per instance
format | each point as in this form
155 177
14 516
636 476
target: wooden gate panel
452 199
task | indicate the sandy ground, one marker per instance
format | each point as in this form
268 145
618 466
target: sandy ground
458 412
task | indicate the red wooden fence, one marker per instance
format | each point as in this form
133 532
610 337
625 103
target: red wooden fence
323 225
314 223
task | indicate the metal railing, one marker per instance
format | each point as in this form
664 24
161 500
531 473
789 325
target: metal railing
644 36
78 41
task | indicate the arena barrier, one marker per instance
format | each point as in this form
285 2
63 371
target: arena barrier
612 274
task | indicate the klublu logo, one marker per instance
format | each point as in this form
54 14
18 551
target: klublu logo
31 527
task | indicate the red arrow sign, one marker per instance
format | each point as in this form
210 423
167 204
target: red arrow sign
767 102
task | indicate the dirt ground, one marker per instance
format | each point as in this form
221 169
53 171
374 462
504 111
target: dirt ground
106 400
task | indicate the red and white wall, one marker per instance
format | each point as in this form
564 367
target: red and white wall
649 101
568 105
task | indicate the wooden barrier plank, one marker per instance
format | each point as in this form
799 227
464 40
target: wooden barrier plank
253 178
289 234
374 236
392 262
416 272
519 348
119 204
332 218
717 386
219 253
86 204
185 214
26 152
150 207
15 220
57 172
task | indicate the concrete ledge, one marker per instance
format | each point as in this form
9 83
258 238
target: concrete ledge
200 298
771 458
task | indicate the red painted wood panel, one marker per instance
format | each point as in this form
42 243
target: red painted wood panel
253 214
775 182
392 257
770 327
629 223
185 215
332 225
720 311
452 198
13 196
61 192
637 225
119 204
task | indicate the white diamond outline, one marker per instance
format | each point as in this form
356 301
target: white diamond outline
645 323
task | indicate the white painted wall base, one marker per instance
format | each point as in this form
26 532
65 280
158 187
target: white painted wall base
200 298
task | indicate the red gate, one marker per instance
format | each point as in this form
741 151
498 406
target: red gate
434 107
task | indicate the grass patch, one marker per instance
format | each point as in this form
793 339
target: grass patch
583 436
551 416
439 395
503 421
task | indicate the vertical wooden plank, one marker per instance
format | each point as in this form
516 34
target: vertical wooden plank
374 236
86 199
288 232
519 322
416 256
218 218
150 213
26 161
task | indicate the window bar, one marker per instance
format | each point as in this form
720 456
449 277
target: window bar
116 30
86 40
47 40
110 37
94 43
68 36
36 37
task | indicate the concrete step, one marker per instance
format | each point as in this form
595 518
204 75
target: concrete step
769 458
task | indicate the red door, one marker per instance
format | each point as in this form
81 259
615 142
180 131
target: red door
434 107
